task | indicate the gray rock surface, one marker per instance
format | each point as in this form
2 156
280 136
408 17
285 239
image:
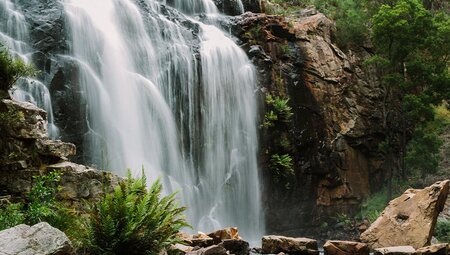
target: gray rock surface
40 239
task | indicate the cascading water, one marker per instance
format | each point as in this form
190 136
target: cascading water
14 35
184 112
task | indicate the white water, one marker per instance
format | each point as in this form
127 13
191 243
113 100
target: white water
152 103
14 35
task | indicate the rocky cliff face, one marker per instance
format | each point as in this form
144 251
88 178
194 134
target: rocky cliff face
26 151
335 129
332 136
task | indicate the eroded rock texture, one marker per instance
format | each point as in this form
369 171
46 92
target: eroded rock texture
26 151
41 239
336 127
408 220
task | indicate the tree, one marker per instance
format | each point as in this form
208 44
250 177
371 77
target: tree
11 70
412 62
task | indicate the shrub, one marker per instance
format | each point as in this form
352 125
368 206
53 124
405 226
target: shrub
11 70
278 110
133 220
442 230
41 206
281 165
11 215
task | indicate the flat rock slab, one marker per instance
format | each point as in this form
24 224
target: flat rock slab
40 239
435 249
396 250
211 250
408 220
334 247
275 244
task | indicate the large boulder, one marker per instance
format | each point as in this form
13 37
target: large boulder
40 239
409 219
332 247
24 120
276 244
237 247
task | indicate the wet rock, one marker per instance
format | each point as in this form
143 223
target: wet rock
226 233
25 120
40 239
409 219
276 244
211 250
395 250
229 7
345 248
79 182
185 237
237 247
202 240
435 249
178 249
55 148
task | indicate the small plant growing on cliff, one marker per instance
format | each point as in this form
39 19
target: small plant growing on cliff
134 220
281 165
11 70
279 110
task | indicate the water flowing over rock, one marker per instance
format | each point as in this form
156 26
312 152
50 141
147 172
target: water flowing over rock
409 219
149 83
40 239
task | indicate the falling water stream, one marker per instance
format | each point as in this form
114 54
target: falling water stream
179 104
14 35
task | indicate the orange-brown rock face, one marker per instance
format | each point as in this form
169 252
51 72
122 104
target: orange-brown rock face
408 219
336 125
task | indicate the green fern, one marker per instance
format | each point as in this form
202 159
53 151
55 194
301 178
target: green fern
134 220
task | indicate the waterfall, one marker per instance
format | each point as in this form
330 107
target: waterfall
166 90
14 35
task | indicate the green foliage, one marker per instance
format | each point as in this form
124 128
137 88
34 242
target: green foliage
11 215
133 220
281 166
401 29
11 69
279 110
372 207
350 16
42 199
344 218
41 206
423 150
442 230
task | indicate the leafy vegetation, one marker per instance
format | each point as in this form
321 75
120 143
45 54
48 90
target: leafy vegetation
279 110
133 220
11 69
41 205
442 230
130 220
281 165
